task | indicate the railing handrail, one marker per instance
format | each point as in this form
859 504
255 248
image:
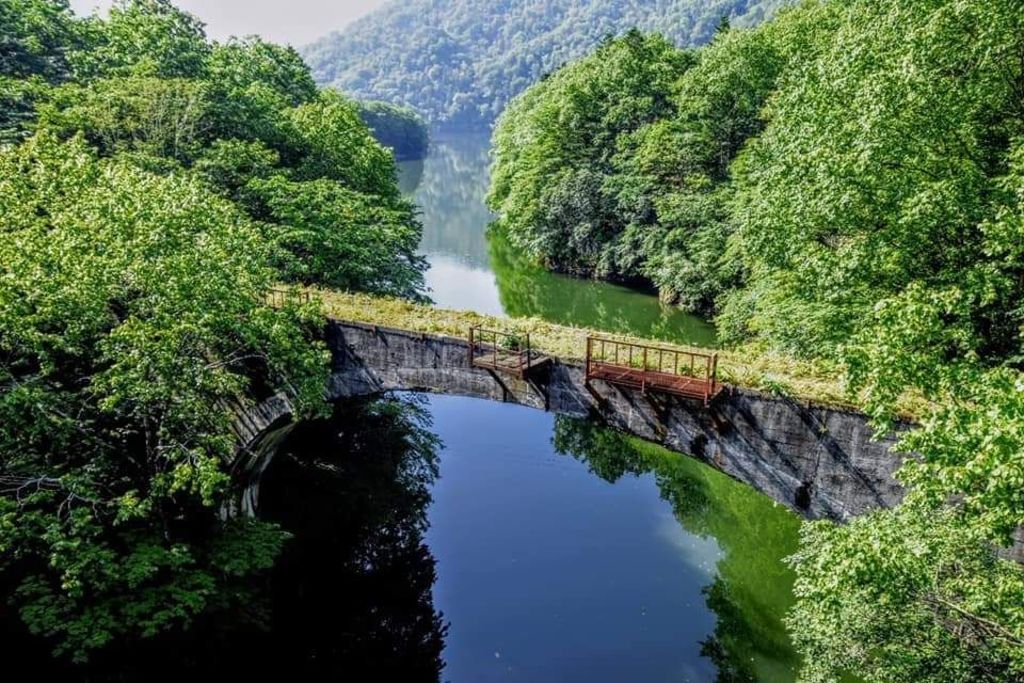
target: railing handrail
285 294
709 355
708 361
523 349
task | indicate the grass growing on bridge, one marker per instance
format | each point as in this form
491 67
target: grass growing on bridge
750 366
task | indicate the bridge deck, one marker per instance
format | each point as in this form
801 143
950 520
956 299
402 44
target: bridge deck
680 385
507 361
504 352
690 374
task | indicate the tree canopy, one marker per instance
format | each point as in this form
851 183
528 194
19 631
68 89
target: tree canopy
398 128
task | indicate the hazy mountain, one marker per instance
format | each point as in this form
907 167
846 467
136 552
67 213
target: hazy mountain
458 62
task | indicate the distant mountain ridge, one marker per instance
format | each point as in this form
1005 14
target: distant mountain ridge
459 62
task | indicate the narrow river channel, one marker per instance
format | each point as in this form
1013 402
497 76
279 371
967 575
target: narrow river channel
471 270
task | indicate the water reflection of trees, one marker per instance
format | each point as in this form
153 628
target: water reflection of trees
450 193
351 598
752 587
527 289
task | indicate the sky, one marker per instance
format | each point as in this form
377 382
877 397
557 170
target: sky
297 22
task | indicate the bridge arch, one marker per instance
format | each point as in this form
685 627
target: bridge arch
822 462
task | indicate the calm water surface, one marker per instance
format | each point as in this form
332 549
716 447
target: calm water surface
525 547
452 539
473 271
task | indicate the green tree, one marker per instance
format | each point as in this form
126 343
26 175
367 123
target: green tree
229 165
588 186
133 316
143 38
397 128
35 36
554 150
880 155
879 219
333 142
914 594
159 117
341 238
251 83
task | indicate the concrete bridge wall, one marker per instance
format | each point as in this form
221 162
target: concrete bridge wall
819 461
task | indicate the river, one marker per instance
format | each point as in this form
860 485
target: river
565 552
453 539
471 270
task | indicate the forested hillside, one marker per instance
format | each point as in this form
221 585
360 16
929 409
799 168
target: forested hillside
398 128
844 182
459 62
154 187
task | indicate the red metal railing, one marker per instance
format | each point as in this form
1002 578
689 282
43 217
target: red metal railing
279 297
503 351
659 368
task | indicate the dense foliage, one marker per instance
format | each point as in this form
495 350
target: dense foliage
153 187
843 182
459 63
398 128
34 40
618 166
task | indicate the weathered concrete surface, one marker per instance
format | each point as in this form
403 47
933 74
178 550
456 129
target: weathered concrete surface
819 461
253 420
259 429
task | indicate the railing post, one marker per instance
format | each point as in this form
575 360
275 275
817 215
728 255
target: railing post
590 355
643 373
472 347
707 381
714 373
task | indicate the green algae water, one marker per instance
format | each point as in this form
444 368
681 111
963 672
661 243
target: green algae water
472 269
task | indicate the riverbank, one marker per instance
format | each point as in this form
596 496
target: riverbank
748 366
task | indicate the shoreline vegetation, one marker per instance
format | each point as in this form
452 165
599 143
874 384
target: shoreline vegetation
750 366
399 129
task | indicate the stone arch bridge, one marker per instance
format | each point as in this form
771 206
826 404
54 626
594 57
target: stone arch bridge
822 462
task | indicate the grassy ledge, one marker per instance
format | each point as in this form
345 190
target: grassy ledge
750 366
